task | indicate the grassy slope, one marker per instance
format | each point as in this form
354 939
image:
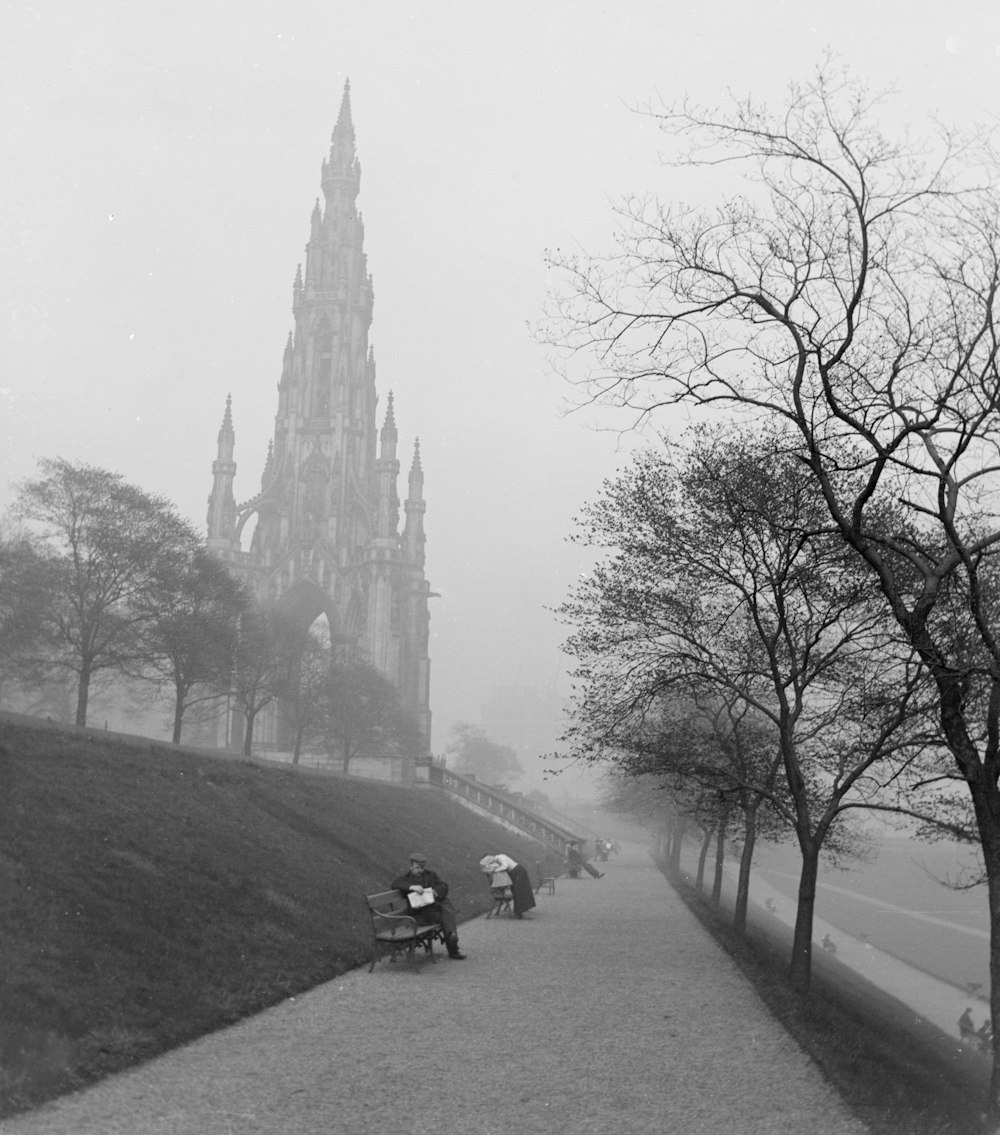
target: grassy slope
150 894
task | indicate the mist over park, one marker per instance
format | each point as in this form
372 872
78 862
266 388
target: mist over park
590 411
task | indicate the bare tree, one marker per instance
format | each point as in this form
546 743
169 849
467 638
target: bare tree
851 293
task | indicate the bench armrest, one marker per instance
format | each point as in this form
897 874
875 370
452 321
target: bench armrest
394 922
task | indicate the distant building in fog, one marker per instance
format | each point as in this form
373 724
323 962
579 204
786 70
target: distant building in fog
327 539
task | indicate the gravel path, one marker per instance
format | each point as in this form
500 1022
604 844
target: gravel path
609 1010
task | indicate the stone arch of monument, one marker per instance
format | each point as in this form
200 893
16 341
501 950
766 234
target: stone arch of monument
303 603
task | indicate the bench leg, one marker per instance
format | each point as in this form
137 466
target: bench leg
411 956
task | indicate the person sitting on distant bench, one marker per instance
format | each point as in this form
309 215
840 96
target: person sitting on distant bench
419 879
576 860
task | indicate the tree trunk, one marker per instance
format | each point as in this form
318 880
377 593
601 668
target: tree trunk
720 852
702 856
987 808
676 841
743 883
83 694
800 969
178 715
248 716
297 749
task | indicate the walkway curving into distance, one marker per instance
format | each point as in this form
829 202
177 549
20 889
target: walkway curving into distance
610 1009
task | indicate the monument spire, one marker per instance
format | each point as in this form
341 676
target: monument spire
327 536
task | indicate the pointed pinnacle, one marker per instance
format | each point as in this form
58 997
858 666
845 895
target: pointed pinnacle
344 126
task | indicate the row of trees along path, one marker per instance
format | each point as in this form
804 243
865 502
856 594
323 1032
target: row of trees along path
830 579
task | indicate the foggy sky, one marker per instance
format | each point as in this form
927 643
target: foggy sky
160 164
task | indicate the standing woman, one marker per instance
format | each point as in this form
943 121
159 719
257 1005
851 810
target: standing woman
520 884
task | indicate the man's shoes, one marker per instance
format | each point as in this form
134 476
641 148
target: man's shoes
458 957
600 874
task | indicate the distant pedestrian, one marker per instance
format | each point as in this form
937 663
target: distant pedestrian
966 1026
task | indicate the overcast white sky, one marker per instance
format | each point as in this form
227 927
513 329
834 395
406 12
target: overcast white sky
159 167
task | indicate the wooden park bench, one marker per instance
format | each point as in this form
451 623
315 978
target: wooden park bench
396 931
501 902
548 882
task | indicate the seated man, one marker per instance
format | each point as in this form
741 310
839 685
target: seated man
419 879
575 860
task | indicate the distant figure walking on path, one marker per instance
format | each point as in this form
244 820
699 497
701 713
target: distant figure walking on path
576 861
520 884
966 1026
418 880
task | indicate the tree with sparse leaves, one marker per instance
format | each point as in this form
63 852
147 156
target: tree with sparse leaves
108 542
472 752
304 702
188 637
259 676
725 590
28 580
364 714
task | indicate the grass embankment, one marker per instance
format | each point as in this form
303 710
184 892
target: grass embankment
151 894
899 1077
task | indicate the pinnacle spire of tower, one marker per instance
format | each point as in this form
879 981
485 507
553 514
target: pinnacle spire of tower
227 419
221 504
413 530
345 125
342 166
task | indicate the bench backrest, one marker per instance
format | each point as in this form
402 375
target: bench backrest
387 902
391 915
